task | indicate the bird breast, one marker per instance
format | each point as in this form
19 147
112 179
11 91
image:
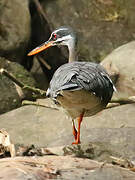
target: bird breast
77 102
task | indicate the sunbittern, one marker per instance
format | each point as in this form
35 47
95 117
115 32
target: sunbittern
81 88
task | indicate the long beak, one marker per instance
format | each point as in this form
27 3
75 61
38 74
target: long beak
40 48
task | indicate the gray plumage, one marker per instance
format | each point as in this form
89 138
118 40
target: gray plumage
82 75
75 80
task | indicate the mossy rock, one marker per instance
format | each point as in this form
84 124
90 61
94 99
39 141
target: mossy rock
10 94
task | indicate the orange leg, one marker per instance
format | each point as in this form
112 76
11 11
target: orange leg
77 137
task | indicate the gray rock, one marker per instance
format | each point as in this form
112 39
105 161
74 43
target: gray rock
120 65
14 28
60 167
10 94
100 25
46 127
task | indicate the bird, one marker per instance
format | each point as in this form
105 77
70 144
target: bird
81 88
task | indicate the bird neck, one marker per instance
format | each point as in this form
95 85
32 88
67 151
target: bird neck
72 52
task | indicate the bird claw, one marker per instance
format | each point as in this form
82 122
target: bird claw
76 142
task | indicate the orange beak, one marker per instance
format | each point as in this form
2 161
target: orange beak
41 48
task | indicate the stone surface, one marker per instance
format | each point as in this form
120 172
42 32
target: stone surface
50 129
120 64
14 29
60 167
46 127
10 94
101 25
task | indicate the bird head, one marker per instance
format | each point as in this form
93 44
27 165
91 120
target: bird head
61 36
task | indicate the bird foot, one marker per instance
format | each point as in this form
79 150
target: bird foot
77 142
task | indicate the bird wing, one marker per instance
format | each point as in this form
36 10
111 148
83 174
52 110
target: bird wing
81 75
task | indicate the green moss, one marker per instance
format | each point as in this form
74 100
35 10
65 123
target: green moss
18 71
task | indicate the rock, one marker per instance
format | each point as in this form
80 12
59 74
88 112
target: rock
120 65
10 94
45 127
39 75
40 33
14 29
60 167
100 25
100 151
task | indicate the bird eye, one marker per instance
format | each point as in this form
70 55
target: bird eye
54 37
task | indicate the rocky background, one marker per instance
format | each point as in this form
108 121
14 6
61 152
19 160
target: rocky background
106 33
